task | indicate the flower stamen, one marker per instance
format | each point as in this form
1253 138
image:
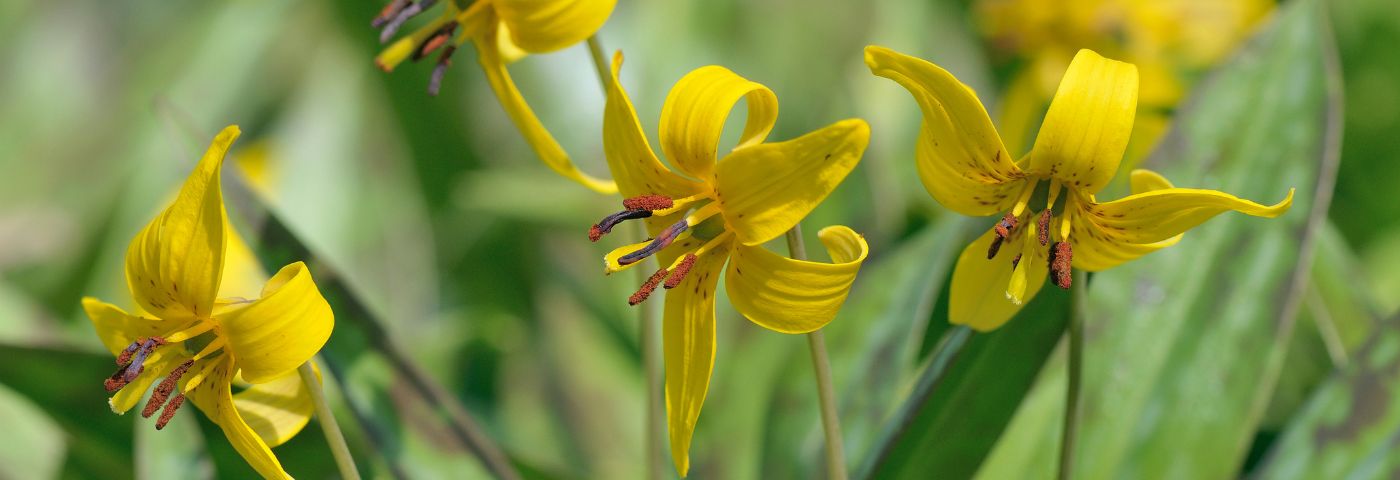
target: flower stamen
661 241
166 387
678 273
1061 259
1043 228
641 206
404 14
169 412
1003 230
440 71
134 362
647 287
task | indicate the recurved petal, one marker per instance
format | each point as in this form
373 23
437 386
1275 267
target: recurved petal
688 332
795 296
174 266
549 151
283 329
630 158
214 397
538 26
765 189
1094 251
1089 122
960 157
695 112
978 295
276 410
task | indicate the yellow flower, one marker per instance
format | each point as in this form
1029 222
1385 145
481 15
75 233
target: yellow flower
503 31
196 341
724 211
964 165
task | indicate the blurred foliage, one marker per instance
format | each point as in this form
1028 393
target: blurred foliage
441 226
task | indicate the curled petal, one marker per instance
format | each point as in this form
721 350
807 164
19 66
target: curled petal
214 397
630 158
175 264
1108 234
283 329
795 296
960 157
278 409
539 138
765 189
1089 122
688 335
978 294
695 112
539 26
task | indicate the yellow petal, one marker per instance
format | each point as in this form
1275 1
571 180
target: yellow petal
765 189
1089 122
157 366
679 246
538 26
695 112
1107 234
175 264
688 333
960 157
116 328
278 409
281 330
630 158
214 397
1142 180
978 295
549 151
243 274
795 296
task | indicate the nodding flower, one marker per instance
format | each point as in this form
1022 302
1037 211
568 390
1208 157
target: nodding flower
502 31
1051 221
719 211
193 336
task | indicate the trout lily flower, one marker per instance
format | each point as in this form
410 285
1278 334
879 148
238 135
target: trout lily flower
965 167
192 342
502 31
720 212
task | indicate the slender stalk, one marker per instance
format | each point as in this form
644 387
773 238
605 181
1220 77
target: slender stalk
1070 433
329 426
816 342
647 319
600 62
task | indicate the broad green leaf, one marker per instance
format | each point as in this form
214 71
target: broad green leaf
33 445
1350 427
1184 345
66 386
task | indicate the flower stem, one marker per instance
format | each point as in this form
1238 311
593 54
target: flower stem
329 427
1070 432
816 342
600 62
647 319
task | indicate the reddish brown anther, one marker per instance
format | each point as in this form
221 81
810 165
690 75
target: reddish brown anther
1016 261
1043 227
437 40
163 391
648 202
169 412
678 274
1005 226
647 287
1061 261
994 247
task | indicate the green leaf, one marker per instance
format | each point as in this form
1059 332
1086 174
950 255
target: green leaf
1351 425
1184 346
67 386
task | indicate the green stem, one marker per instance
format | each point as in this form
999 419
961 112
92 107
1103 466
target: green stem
816 342
600 62
647 319
329 427
1070 432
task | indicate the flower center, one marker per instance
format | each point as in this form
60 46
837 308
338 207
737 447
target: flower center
646 206
131 364
1011 227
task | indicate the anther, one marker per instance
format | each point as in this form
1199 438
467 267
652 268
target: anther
1043 227
124 358
388 13
683 268
606 225
647 287
1016 261
409 11
648 202
169 412
436 40
1005 226
660 242
163 391
439 71
1061 260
